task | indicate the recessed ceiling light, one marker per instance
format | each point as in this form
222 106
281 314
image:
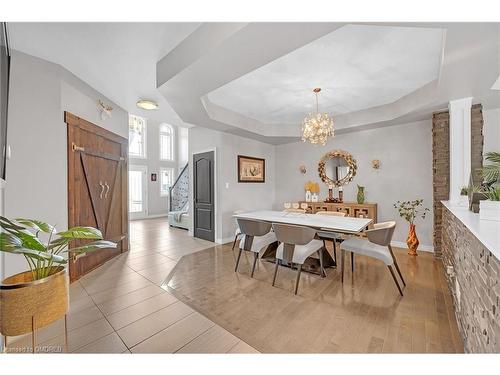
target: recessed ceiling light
147 104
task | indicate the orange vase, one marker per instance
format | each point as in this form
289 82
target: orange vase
412 241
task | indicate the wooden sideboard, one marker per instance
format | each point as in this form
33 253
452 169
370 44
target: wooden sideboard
352 209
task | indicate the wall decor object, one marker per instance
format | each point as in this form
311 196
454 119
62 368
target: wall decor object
375 164
153 177
307 188
105 110
251 169
360 197
411 210
337 168
302 169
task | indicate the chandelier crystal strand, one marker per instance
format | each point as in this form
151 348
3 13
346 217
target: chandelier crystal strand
316 128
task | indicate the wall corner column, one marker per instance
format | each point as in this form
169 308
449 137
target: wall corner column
460 145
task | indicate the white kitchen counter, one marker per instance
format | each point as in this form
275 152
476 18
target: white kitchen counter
486 231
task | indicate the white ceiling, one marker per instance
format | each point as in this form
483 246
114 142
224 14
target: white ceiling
357 67
116 59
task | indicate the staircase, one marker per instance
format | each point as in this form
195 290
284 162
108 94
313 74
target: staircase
179 191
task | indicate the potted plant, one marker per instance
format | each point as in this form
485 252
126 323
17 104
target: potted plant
411 210
464 196
489 209
33 299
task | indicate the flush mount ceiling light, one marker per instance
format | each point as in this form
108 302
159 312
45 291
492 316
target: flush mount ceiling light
147 104
316 128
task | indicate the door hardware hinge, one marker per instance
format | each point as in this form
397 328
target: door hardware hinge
74 147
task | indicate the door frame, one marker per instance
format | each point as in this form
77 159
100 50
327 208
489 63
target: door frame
216 192
144 214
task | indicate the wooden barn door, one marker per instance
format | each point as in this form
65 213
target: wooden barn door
97 188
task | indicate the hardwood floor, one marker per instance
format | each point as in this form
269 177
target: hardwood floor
205 307
121 307
364 315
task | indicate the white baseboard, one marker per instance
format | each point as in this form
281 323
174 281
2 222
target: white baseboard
427 248
222 241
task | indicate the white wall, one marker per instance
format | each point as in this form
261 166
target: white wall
405 153
237 196
491 130
40 92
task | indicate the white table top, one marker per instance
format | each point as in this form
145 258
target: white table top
486 231
324 222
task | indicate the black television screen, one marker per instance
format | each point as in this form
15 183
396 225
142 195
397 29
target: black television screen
4 93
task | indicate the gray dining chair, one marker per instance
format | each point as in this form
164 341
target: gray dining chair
331 236
256 235
297 243
377 246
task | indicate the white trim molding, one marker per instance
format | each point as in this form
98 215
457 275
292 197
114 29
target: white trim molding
460 145
403 245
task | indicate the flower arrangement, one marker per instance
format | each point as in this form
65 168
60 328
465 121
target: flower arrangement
410 210
313 187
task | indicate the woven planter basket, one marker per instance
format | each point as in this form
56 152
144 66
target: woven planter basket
24 301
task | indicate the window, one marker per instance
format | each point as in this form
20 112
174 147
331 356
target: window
136 136
166 180
166 142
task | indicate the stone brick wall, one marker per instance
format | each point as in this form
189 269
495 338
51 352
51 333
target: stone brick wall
477 141
440 171
477 273
441 162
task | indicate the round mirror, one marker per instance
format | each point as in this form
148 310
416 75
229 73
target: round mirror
337 168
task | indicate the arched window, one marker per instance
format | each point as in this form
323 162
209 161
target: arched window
166 142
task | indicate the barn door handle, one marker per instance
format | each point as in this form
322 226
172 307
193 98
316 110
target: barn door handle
102 189
107 189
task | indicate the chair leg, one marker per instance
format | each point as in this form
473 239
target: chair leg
235 239
255 257
335 251
299 270
322 269
397 265
352 262
342 264
395 279
238 261
276 270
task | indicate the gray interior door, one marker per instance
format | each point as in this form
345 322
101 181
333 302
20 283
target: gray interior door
203 196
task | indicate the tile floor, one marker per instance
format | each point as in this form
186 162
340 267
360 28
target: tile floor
121 307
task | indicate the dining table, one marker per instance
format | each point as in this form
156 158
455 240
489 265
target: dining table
324 223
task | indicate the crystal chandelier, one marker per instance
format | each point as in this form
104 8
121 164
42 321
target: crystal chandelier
316 128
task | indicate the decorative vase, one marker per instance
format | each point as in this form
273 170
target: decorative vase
28 305
308 195
361 194
412 241
314 197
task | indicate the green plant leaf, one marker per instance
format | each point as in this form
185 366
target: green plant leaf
92 246
9 242
82 233
36 224
58 242
30 241
40 255
9 225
